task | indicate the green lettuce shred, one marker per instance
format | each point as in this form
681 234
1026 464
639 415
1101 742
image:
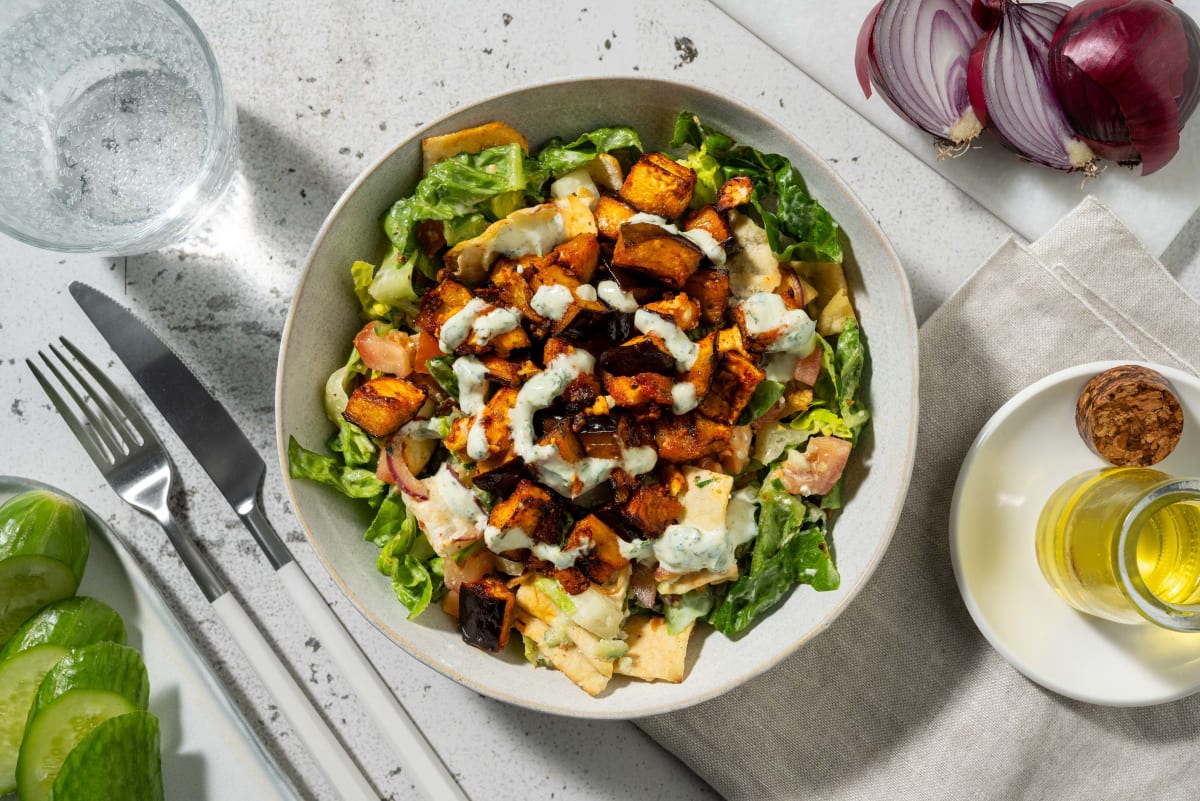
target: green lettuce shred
354 482
559 158
797 216
405 556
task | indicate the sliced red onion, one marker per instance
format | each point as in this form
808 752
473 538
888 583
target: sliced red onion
1128 75
915 52
409 484
1009 85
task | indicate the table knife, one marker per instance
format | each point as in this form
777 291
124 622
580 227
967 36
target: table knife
225 453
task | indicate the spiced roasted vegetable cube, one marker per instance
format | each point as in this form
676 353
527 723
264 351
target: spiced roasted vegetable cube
382 405
733 385
657 184
654 251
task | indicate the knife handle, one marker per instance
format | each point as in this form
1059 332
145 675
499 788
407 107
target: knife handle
425 769
345 777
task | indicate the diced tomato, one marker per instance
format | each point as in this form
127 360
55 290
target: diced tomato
391 353
427 348
818 470
808 368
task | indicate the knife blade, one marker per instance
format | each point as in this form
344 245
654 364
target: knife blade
217 442
196 416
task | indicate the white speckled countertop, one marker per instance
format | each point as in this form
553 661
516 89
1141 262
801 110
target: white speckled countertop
323 89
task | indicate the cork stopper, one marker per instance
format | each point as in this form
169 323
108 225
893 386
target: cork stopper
1129 416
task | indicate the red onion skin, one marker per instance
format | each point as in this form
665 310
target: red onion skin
404 478
1128 72
948 17
1034 24
862 52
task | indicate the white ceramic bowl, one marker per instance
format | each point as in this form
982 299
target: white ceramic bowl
324 318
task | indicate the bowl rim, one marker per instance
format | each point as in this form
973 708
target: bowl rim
745 673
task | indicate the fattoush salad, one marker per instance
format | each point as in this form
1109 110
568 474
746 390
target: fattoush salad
602 395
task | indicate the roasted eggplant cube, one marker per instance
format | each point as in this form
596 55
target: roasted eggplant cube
651 250
441 303
579 256
611 214
642 354
679 309
651 510
733 385
499 475
603 557
485 613
573 580
708 219
531 509
657 184
710 288
382 405
734 192
687 437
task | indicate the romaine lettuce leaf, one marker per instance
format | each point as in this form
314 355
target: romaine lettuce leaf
559 158
790 549
405 556
354 482
797 216
766 395
355 445
851 356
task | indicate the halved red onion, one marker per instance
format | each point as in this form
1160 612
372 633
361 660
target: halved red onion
915 53
1009 85
397 465
1128 75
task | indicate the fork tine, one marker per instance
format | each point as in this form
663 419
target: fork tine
114 395
106 399
84 433
99 425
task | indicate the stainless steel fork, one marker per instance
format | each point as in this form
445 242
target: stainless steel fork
134 462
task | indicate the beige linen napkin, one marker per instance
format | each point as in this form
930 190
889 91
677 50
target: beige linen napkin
902 698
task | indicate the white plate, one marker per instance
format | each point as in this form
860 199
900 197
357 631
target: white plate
1028 448
208 750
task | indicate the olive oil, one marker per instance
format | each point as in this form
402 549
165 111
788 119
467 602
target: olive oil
1124 544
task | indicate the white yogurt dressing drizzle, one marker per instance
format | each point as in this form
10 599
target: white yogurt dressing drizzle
682 349
566 478
709 246
765 312
474 318
614 297
551 301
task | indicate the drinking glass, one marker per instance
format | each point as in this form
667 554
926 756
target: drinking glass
118 134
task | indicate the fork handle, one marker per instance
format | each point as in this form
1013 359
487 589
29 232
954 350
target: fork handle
425 769
345 777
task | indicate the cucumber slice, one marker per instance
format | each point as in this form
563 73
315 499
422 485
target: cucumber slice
70 623
45 524
27 583
54 732
100 666
44 546
120 759
20 678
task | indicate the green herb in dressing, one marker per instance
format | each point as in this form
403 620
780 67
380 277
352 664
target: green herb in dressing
765 312
551 301
686 549
682 349
475 318
472 383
